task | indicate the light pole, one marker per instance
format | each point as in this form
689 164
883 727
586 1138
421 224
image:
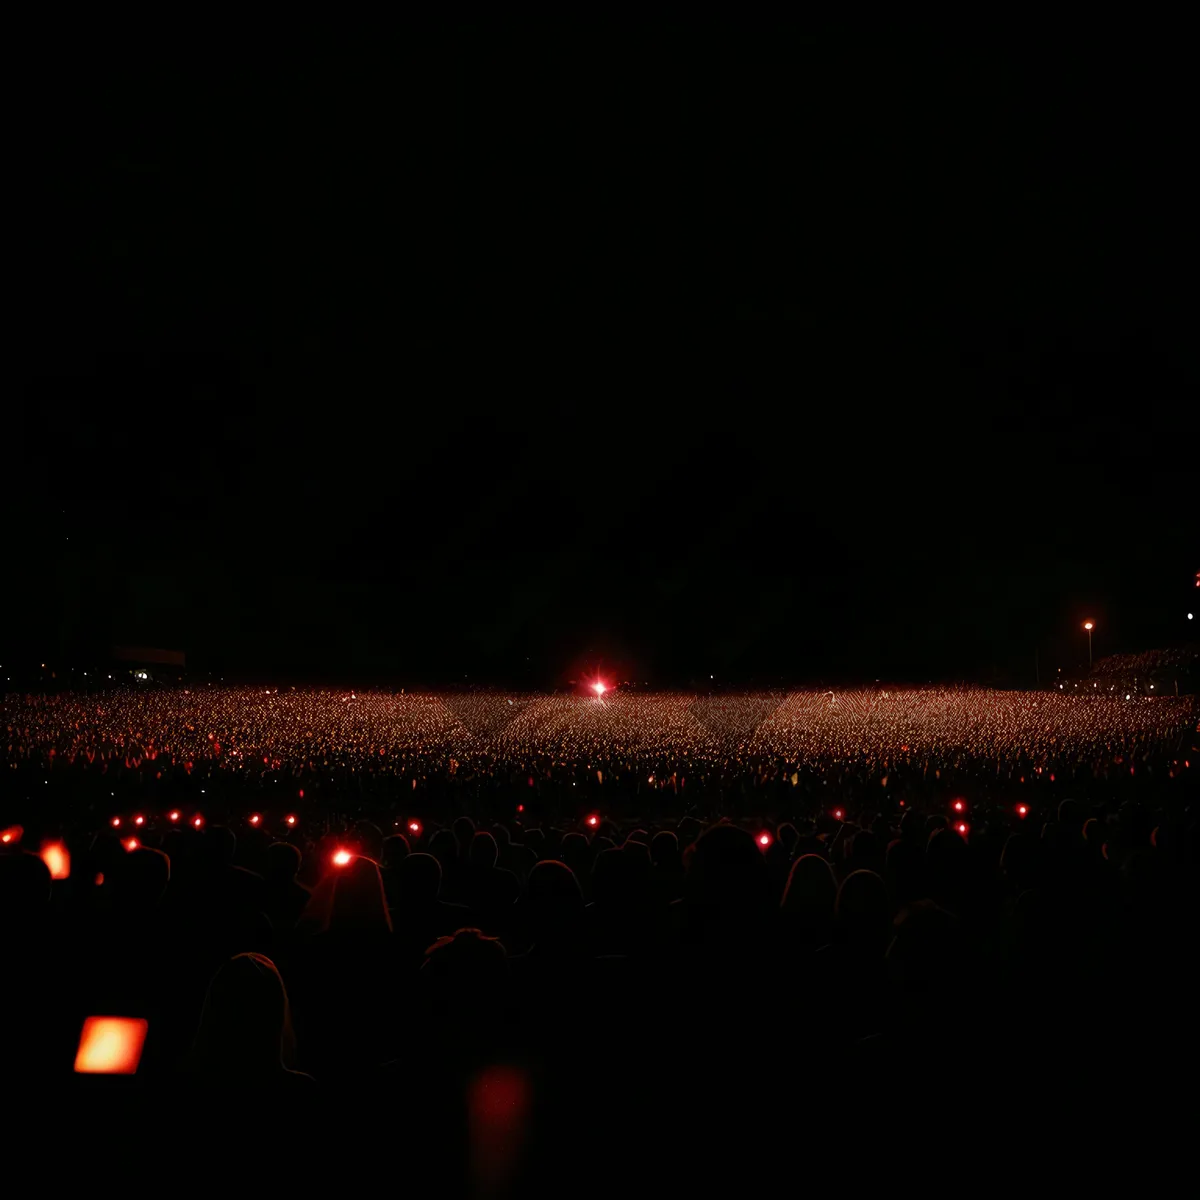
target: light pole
1089 626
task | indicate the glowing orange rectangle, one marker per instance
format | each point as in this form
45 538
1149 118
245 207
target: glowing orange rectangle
110 1046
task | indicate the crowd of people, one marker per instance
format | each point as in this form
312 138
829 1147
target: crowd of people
553 945
1147 670
255 729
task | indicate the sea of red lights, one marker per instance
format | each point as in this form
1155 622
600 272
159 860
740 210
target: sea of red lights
253 730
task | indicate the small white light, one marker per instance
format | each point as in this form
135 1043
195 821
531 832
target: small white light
1126 695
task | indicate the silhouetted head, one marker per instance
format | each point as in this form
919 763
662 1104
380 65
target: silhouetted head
863 914
1069 815
467 974
664 851
867 852
141 879
787 836
811 889
221 844
726 870
464 831
395 848
419 879
484 850
553 899
618 875
444 847
358 904
283 861
947 864
245 1026
502 836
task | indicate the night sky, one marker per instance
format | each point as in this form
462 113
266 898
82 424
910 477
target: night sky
508 351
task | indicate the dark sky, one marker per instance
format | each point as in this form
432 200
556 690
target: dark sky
501 350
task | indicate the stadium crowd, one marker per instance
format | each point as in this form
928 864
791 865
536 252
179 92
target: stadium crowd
578 941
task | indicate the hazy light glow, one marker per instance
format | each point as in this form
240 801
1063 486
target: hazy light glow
57 860
110 1046
342 858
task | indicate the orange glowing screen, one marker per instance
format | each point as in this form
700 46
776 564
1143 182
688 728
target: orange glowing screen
57 860
131 844
110 1046
12 835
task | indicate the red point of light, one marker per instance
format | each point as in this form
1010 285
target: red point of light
838 814
291 820
341 858
197 821
520 808
255 818
764 839
115 822
593 821
1022 810
414 826
961 827
12 835
139 820
301 793
131 844
958 806
599 689
173 815
110 1046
